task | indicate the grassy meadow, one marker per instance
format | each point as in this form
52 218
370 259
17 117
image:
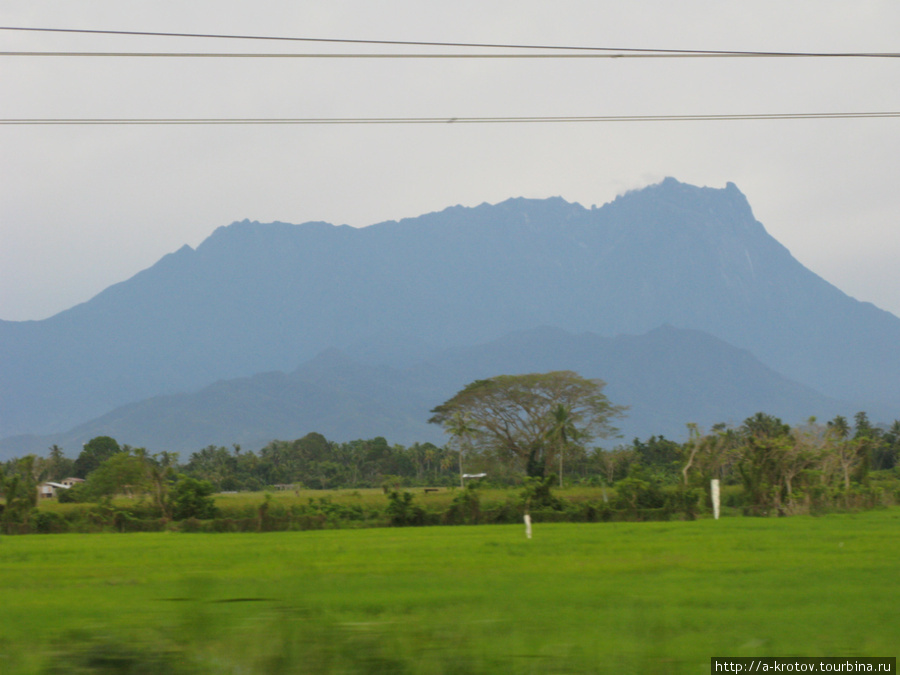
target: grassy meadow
658 597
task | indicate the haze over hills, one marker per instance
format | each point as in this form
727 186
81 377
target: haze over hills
256 298
666 377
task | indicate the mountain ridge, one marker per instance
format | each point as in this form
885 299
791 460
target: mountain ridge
258 297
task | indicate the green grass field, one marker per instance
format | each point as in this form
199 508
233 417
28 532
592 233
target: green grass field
577 598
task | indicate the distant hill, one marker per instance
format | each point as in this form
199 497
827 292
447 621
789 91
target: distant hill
256 298
668 377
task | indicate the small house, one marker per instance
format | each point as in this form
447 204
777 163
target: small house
49 489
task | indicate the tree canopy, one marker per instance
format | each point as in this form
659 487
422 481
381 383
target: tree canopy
94 453
523 418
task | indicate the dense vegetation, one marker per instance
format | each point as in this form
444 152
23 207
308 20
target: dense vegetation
765 466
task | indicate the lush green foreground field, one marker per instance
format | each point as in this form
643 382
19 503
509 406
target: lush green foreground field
613 597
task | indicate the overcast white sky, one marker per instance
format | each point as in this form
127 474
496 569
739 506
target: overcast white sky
83 207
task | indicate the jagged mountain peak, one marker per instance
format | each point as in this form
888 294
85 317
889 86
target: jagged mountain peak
723 204
258 297
671 204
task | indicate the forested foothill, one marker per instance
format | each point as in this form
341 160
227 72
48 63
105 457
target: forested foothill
766 468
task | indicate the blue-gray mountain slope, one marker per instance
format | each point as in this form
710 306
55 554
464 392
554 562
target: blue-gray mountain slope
256 297
667 377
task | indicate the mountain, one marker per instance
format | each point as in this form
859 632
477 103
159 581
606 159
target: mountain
667 377
255 298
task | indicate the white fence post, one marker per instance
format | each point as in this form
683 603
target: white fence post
714 488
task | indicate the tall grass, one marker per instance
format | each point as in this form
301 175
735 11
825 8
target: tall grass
612 597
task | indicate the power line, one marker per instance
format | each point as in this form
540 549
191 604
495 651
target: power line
447 120
326 55
419 43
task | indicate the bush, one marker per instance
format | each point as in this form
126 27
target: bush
636 494
536 494
74 495
465 508
685 501
401 511
590 512
192 498
46 522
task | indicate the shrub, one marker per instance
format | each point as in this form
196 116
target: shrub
536 494
465 507
192 498
401 510
46 522
75 494
686 501
635 493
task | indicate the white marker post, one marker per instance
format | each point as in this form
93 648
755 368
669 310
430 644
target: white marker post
714 489
528 526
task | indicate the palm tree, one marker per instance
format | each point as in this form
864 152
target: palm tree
839 428
57 463
562 431
461 428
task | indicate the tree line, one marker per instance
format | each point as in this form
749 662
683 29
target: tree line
509 428
776 465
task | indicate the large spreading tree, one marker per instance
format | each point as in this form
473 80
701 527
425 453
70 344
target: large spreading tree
529 419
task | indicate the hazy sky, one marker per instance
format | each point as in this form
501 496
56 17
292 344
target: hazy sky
83 207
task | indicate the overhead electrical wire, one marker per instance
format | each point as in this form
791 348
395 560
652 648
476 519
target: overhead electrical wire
401 55
446 120
657 54
620 52
560 52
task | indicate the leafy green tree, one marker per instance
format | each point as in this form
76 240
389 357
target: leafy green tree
762 425
369 461
658 455
707 456
93 454
192 498
512 415
121 473
58 465
639 490
422 457
764 442
18 486
213 464
325 475
801 458
313 447
133 472
887 453
614 464
159 474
